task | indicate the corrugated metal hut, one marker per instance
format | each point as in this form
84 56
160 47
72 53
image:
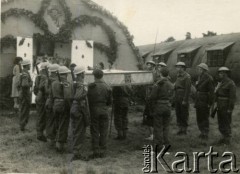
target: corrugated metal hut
216 51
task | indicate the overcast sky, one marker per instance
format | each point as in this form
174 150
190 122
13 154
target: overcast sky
175 17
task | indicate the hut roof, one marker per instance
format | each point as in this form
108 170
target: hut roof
230 42
220 46
202 44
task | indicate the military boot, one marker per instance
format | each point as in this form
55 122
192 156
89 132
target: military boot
60 147
124 135
41 137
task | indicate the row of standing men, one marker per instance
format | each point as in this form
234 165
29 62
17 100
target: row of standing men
60 103
209 99
56 109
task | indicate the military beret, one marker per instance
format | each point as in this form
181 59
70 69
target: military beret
98 73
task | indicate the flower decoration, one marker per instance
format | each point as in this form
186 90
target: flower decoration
65 32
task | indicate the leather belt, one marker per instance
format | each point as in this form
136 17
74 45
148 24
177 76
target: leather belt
98 104
199 92
163 101
58 99
180 89
223 98
75 102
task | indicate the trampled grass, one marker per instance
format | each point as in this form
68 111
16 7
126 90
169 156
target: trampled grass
22 152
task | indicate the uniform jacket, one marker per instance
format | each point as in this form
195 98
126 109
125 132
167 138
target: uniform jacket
121 95
226 94
162 91
205 91
80 91
155 74
183 87
79 101
48 90
62 91
25 80
39 88
99 93
48 84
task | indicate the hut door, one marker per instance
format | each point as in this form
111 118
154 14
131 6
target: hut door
82 53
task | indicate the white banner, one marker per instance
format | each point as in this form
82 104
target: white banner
82 53
25 50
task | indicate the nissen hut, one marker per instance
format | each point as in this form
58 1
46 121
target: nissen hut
216 51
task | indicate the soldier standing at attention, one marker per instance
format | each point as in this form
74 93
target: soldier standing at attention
147 114
204 99
60 108
79 113
182 93
121 104
50 125
151 66
159 66
41 97
99 95
225 98
161 97
25 95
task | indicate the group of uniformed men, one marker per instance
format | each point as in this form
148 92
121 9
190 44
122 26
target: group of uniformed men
208 100
60 104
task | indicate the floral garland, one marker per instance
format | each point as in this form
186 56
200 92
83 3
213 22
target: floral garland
8 41
104 49
67 11
44 5
82 20
65 31
92 5
35 18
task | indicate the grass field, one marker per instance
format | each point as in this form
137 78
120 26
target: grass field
21 152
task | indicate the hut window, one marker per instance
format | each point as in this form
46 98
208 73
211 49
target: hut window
161 58
186 58
162 55
216 55
187 55
215 58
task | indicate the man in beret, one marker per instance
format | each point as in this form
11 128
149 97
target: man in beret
121 96
99 96
161 97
